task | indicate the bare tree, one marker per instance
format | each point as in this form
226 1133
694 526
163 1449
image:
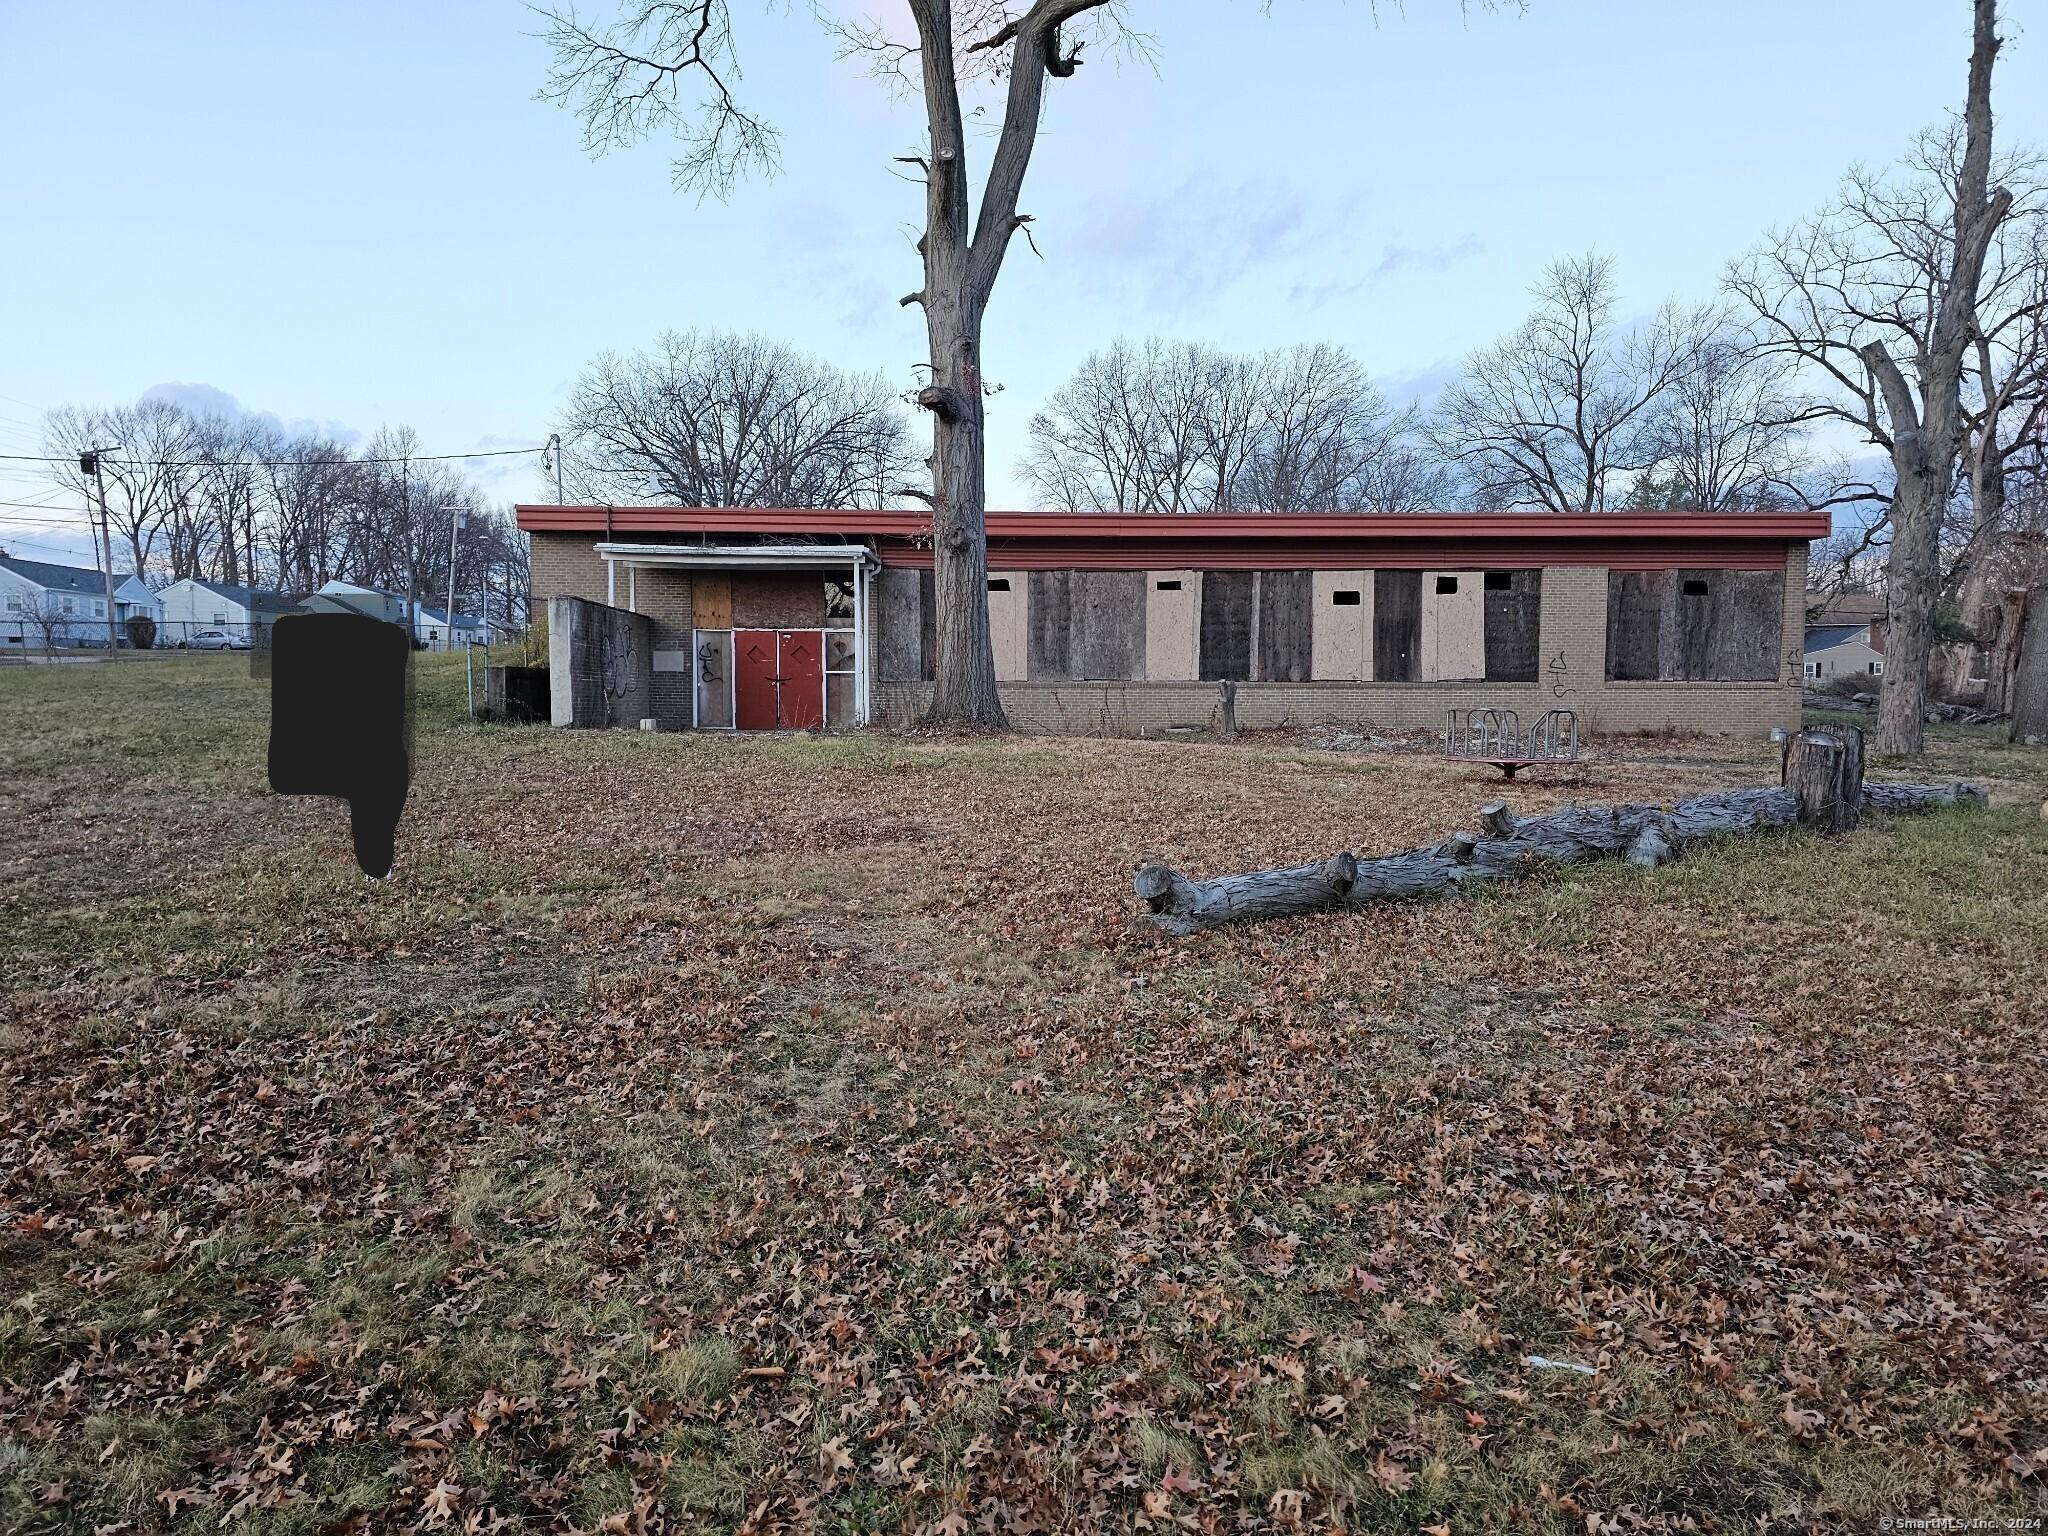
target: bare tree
45 617
1560 413
1727 436
1839 294
309 488
628 79
2005 375
715 419
1184 427
1327 439
147 481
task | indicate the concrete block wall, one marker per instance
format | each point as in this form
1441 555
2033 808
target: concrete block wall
600 664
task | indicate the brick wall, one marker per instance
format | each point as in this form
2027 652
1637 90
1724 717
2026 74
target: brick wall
565 565
665 597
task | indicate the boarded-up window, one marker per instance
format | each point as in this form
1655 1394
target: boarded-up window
1052 624
777 600
1635 615
1514 603
1694 626
899 610
1086 625
1226 625
1108 609
1396 625
1286 626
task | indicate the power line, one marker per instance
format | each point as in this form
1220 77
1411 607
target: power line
7 540
410 458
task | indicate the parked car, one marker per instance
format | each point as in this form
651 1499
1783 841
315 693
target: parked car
215 640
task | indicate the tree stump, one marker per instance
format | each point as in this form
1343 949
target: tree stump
1226 692
1825 770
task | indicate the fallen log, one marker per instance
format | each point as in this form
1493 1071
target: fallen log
1506 847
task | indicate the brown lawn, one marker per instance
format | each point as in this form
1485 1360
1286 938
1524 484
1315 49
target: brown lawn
801 1134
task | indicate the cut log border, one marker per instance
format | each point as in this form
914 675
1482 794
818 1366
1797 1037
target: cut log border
1824 789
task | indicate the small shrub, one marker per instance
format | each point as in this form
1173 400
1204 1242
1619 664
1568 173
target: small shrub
141 631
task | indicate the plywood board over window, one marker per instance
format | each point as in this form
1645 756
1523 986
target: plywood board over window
711 599
1009 624
1514 605
899 611
1108 610
1694 626
1635 615
1051 625
1727 627
1086 626
1396 626
1453 626
1343 626
1173 626
776 600
1226 625
1286 626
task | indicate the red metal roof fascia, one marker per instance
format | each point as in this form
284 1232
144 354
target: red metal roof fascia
1203 528
765 520
1359 554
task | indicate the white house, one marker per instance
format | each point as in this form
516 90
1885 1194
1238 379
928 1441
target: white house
1841 650
191 605
74 597
429 625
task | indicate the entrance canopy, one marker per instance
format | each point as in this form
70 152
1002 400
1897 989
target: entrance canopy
857 561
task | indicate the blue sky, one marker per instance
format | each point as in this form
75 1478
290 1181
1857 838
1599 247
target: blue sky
357 214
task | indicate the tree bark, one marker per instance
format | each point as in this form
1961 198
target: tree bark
2030 678
1824 769
1506 848
2001 668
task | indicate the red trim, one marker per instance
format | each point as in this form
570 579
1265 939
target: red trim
1640 541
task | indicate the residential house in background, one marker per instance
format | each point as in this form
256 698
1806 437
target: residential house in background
430 627
190 607
1843 650
347 597
75 598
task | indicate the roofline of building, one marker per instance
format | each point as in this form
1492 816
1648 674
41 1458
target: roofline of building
613 521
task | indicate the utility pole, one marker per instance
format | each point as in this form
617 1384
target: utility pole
89 464
553 455
454 529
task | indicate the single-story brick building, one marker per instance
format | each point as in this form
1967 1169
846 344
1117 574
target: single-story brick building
1123 623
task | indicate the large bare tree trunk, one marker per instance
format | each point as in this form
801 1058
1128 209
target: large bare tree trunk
1925 435
2030 680
1913 586
959 274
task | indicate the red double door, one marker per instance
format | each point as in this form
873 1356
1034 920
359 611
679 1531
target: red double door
779 679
